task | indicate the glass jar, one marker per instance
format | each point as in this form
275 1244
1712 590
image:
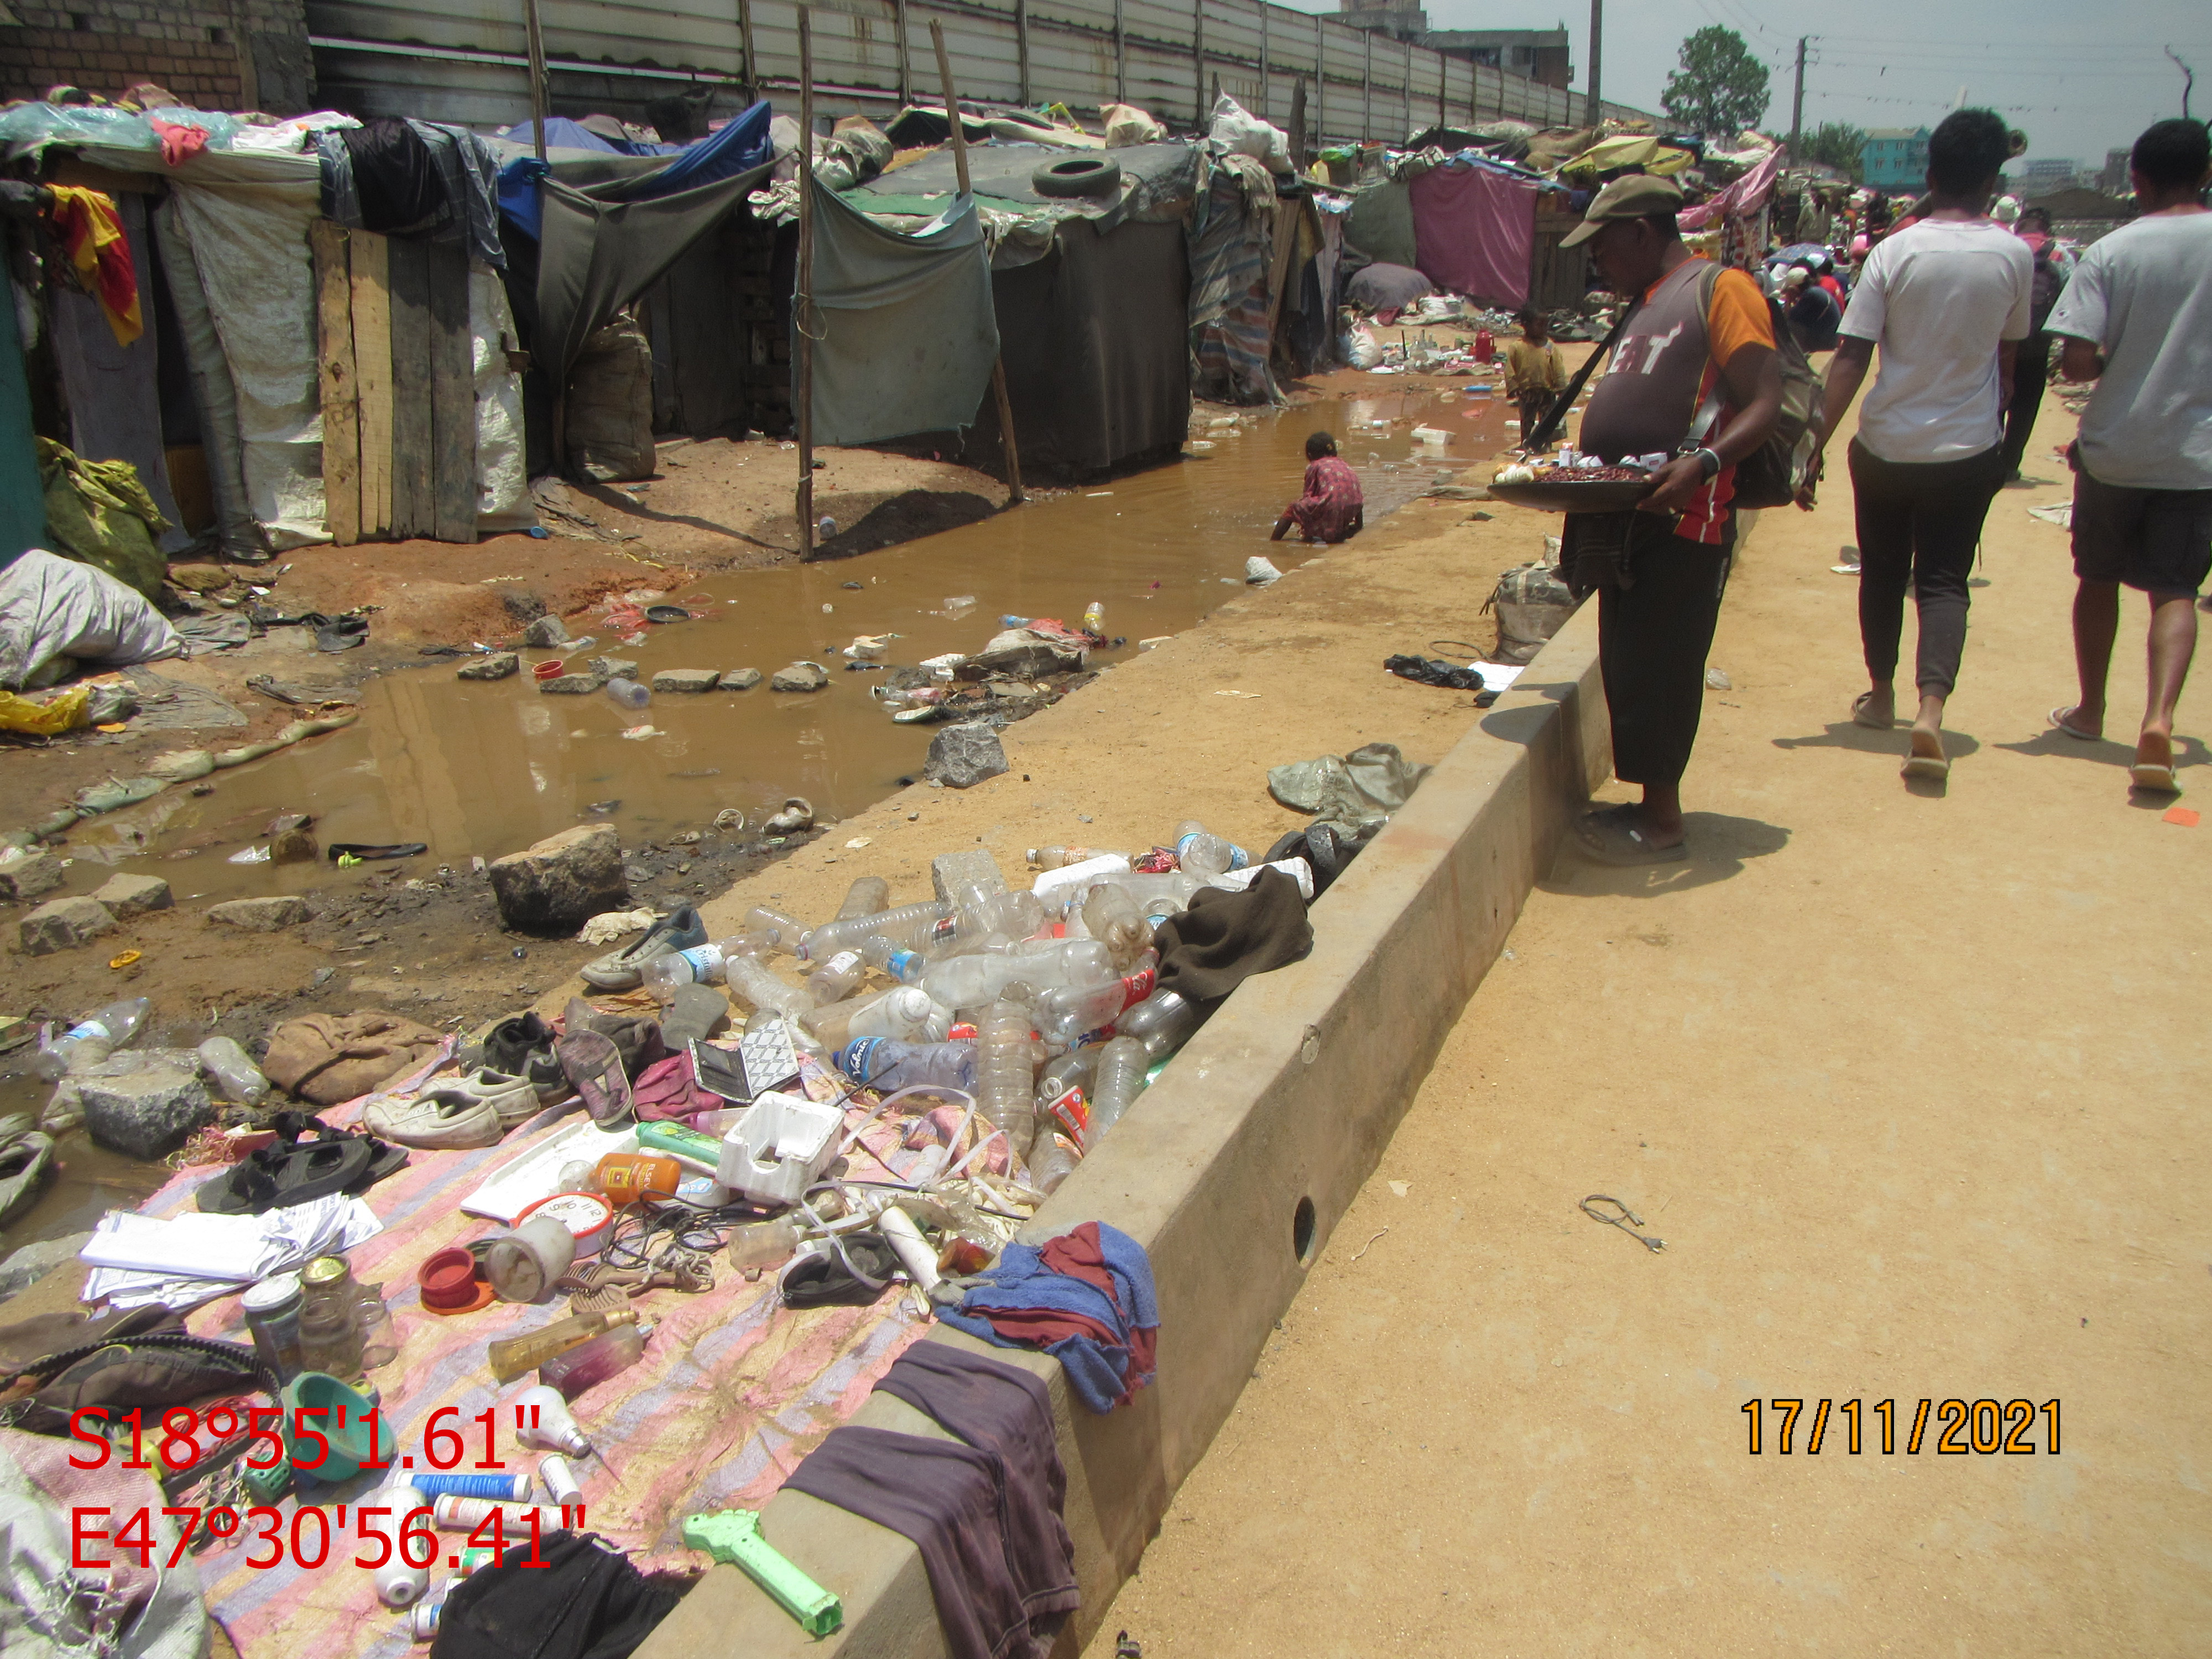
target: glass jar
272 1314
379 1343
329 1319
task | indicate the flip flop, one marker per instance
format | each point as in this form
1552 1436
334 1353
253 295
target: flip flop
294 1128
340 851
1929 768
851 1271
1610 836
276 1177
594 1066
1860 717
2149 774
2058 720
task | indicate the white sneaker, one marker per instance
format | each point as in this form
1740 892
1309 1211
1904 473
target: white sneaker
441 1119
513 1098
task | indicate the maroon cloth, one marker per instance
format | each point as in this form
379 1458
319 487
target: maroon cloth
667 1089
1079 1255
1331 504
1474 232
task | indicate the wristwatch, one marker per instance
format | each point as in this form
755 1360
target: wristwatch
1708 459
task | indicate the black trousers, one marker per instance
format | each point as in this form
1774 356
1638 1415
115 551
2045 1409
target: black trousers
1919 524
1653 633
2030 373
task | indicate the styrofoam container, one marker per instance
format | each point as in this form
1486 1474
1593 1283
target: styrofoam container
779 1147
1055 886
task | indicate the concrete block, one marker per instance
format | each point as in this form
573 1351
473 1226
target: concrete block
686 679
799 676
963 755
544 633
29 876
147 1111
130 896
63 925
501 665
740 679
261 915
954 873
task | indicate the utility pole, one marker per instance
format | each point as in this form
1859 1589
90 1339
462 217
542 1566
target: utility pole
1597 60
1798 107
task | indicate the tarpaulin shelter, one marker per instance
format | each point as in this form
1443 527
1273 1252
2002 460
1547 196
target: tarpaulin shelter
1233 239
1474 229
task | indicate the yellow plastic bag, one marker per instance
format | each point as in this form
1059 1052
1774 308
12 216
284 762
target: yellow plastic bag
45 720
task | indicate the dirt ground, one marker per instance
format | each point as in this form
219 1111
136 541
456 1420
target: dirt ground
1903 1080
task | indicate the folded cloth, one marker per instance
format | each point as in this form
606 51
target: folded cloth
1085 1297
580 1600
139 1259
1224 938
91 233
333 1058
180 144
670 1089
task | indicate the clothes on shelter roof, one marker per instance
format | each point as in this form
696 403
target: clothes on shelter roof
1085 1297
904 330
1474 230
91 233
1329 502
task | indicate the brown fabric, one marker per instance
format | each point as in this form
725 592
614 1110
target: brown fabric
330 1058
1225 937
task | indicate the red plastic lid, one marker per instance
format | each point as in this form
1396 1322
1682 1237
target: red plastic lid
449 1283
549 670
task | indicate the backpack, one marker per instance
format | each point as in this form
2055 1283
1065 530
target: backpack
1770 474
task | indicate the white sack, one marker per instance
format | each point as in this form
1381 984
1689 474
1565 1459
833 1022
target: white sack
1237 131
54 607
502 489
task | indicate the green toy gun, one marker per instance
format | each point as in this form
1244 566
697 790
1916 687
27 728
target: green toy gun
734 1537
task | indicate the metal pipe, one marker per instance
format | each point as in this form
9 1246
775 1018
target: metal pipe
802 297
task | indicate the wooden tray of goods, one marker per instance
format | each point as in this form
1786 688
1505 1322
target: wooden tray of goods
1591 489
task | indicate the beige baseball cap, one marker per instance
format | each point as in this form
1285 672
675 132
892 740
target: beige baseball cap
1631 196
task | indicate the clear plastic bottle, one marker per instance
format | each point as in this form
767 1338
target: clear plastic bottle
1163 1022
1065 1015
1005 1073
1050 1161
92 1039
629 694
1204 854
1072 1070
233 1068
1059 858
786 933
1159 895
750 978
889 1064
908 927
867 896
1119 1081
1113 916
758 1244
904 1011
972 981
701 964
1017 914
892 961
836 978
1094 618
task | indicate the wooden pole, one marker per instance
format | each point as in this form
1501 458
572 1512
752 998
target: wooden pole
1265 91
1121 57
745 45
1198 59
1301 152
1014 496
1022 45
802 297
906 77
538 98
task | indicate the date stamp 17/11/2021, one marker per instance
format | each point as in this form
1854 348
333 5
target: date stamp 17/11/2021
1961 1428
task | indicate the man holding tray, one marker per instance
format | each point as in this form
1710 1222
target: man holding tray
1695 332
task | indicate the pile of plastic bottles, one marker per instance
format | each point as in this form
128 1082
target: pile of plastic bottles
1042 1004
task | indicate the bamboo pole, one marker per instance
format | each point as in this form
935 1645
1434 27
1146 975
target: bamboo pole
1014 496
802 297
536 32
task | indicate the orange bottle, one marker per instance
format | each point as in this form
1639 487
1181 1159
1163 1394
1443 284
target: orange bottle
625 1177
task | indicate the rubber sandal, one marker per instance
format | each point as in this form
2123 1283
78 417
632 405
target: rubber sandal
278 1176
385 1158
2147 774
1610 836
594 1066
1927 769
1859 716
2058 720
359 853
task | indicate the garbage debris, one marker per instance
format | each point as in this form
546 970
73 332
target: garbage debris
57 613
1356 790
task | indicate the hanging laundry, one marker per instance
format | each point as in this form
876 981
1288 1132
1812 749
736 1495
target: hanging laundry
178 144
91 234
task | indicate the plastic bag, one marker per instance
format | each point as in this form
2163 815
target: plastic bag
54 610
45 720
1239 132
1360 346
1532 604
1126 125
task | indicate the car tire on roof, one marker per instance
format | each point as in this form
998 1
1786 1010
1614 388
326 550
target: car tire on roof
1076 175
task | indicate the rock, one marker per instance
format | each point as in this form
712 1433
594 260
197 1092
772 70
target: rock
130 896
1716 679
291 840
562 882
954 873
611 668
685 680
962 756
27 877
521 604
199 578
148 1110
64 1109
64 924
261 915
501 665
799 677
741 679
27 1265
546 631
797 814
570 685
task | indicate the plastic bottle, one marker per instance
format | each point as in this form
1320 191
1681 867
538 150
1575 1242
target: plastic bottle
1159 895
785 933
1204 854
1119 1081
1017 914
888 1064
865 897
593 1361
1065 1015
836 978
231 1066
758 1244
1094 618
510 1357
909 925
1005 1073
892 961
750 978
905 1012
1050 1161
92 1039
972 981
1111 914
1057 858
399 1585
1072 1070
628 692
1163 1022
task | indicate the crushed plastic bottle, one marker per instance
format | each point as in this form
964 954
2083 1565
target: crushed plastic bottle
628 692
1120 1078
1204 854
907 926
837 979
975 981
699 964
888 1064
904 1011
1050 1161
750 978
1163 1022
1006 1066
1111 916
91 1040
1058 857
1094 618
1065 1015
869 895
233 1070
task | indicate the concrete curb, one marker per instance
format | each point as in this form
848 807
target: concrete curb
1233 1169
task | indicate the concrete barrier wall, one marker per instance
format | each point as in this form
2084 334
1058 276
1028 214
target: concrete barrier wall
1233 1169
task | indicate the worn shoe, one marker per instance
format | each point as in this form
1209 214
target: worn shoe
514 1099
623 970
441 1119
522 1047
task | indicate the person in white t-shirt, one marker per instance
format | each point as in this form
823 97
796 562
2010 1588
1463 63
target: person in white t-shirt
2136 318
1947 300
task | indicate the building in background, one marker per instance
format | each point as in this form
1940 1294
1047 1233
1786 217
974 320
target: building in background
1539 54
212 54
2046 174
2112 177
1895 158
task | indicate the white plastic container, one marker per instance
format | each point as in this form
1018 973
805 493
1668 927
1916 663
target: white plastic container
1056 887
780 1148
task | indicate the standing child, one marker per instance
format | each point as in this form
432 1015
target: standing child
1533 372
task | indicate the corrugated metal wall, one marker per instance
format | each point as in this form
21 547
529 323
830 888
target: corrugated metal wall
465 61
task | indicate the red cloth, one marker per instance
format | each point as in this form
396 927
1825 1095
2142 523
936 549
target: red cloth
178 144
1474 232
1080 1255
1332 499
91 234
667 1089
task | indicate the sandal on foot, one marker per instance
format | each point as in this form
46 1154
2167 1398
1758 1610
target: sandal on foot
2150 775
1860 717
1611 836
2060 721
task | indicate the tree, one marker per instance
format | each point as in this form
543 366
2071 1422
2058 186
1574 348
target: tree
1836 144
1720 88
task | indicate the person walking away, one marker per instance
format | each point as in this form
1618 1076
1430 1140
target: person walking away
1948 299
1812 311
2032 370
1535 374
1825 276
1331 507
2136 318
1700 341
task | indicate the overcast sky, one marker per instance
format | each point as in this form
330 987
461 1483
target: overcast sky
2078 78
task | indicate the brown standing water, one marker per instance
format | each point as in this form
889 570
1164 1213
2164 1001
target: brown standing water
483 769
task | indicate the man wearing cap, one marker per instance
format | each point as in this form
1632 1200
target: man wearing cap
1693 375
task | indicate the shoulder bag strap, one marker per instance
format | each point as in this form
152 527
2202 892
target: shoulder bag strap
1565 401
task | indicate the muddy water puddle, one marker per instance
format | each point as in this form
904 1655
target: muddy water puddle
480 769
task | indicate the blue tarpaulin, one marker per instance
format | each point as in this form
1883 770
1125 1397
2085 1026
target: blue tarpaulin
738 146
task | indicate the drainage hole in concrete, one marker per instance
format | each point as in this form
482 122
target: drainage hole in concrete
1302 1230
